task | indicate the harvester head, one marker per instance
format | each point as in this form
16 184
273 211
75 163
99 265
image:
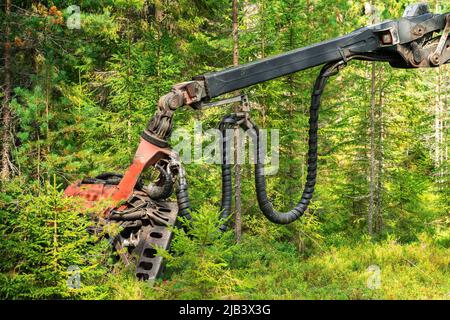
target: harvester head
143 219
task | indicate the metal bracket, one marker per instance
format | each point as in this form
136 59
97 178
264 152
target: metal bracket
243 114
243 99
435 57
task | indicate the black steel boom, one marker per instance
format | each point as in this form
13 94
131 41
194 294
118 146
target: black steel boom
419 39
388 41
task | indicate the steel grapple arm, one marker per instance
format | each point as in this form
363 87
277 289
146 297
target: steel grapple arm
408 42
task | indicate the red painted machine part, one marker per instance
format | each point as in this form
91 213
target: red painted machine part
147 154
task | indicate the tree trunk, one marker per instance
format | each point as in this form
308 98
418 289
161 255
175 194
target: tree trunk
379 217
445 128
372 154
439 124
445 162
237 167
372 182
129 102
291 111
262 12
6 111
263 29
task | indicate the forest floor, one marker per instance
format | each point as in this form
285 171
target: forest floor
275 270
303 260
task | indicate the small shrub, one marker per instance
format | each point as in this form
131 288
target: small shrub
47 252
199 261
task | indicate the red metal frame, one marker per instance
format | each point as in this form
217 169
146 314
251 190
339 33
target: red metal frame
146 155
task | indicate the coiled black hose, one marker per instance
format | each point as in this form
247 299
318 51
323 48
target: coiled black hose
260 181
182 194
163 188
227 122
184 205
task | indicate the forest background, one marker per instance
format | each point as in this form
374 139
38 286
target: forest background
76 97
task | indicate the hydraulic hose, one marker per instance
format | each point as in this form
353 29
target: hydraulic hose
184 204
227 189
260 181
163 188
182 194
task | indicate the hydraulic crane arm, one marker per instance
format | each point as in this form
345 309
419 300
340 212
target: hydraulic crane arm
388 41
405 43
408 42
218 83
419 39
382 42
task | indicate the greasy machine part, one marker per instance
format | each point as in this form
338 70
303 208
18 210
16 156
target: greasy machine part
144 222
144 225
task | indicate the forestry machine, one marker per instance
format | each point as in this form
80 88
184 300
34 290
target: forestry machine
420 39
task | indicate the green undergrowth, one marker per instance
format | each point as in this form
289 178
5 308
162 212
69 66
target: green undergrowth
275 270
210 267
43 235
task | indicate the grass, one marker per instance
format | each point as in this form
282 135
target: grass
276 270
